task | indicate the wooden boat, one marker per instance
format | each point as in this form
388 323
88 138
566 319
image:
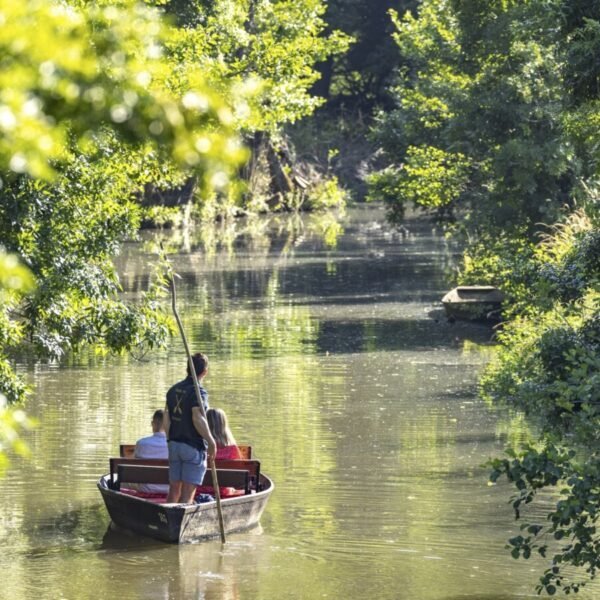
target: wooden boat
182 523
473 302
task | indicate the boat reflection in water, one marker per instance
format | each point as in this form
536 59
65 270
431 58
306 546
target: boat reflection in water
208 570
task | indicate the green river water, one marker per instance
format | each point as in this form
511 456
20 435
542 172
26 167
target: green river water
335 364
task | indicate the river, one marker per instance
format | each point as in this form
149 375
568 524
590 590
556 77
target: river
328 352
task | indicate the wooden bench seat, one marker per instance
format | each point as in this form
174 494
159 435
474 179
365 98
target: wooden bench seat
128 472
115 463
252 466
142 474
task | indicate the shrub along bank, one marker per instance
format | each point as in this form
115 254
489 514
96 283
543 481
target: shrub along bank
495 129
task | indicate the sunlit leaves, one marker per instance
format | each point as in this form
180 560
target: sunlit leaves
13 421
548 368
273 44
92 64
100 101
568 534
513 87
482 80
428 177
13 275
15 280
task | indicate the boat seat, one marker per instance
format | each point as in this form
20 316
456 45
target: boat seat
159 474
149 462
252 466
128 451
142 474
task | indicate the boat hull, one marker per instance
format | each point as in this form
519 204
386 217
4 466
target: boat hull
473 303
183 523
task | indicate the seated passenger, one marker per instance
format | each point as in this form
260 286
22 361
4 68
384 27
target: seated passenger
153 446
226 445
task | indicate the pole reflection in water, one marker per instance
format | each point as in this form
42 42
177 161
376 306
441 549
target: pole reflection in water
330 359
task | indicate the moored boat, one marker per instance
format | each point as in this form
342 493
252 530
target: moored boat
474 303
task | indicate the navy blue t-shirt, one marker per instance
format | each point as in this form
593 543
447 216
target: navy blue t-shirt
181 398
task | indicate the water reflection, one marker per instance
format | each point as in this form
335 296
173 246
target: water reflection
207 570
361 406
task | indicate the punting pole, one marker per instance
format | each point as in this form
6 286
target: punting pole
198 395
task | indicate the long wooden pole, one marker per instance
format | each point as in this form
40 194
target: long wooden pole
199 396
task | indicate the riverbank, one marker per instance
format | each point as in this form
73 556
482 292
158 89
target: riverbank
327 157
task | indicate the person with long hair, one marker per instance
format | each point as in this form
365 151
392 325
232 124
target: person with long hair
219 427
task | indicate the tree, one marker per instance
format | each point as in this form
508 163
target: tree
95 64
483 87
84 105
109 98
271 46
548 368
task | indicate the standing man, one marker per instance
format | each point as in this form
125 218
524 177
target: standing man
188 435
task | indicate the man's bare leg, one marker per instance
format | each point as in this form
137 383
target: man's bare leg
174 491
188 492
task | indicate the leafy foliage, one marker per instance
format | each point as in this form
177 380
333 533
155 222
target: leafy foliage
482 82
548 368
15 280
101 100
512 88
92 64
568 537
429 177
265 50
87 116
271 45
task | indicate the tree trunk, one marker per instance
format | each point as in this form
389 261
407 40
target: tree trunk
281 183
322 87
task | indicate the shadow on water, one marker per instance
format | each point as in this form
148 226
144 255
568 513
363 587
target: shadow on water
118 539
396 334
320 280
466 393
65 532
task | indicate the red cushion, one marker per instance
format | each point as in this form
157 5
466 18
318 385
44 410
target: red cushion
226 492
228 453
152 496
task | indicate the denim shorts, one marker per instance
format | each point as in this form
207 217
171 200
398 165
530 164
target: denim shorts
186 463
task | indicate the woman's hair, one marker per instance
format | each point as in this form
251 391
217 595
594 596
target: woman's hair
217 421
